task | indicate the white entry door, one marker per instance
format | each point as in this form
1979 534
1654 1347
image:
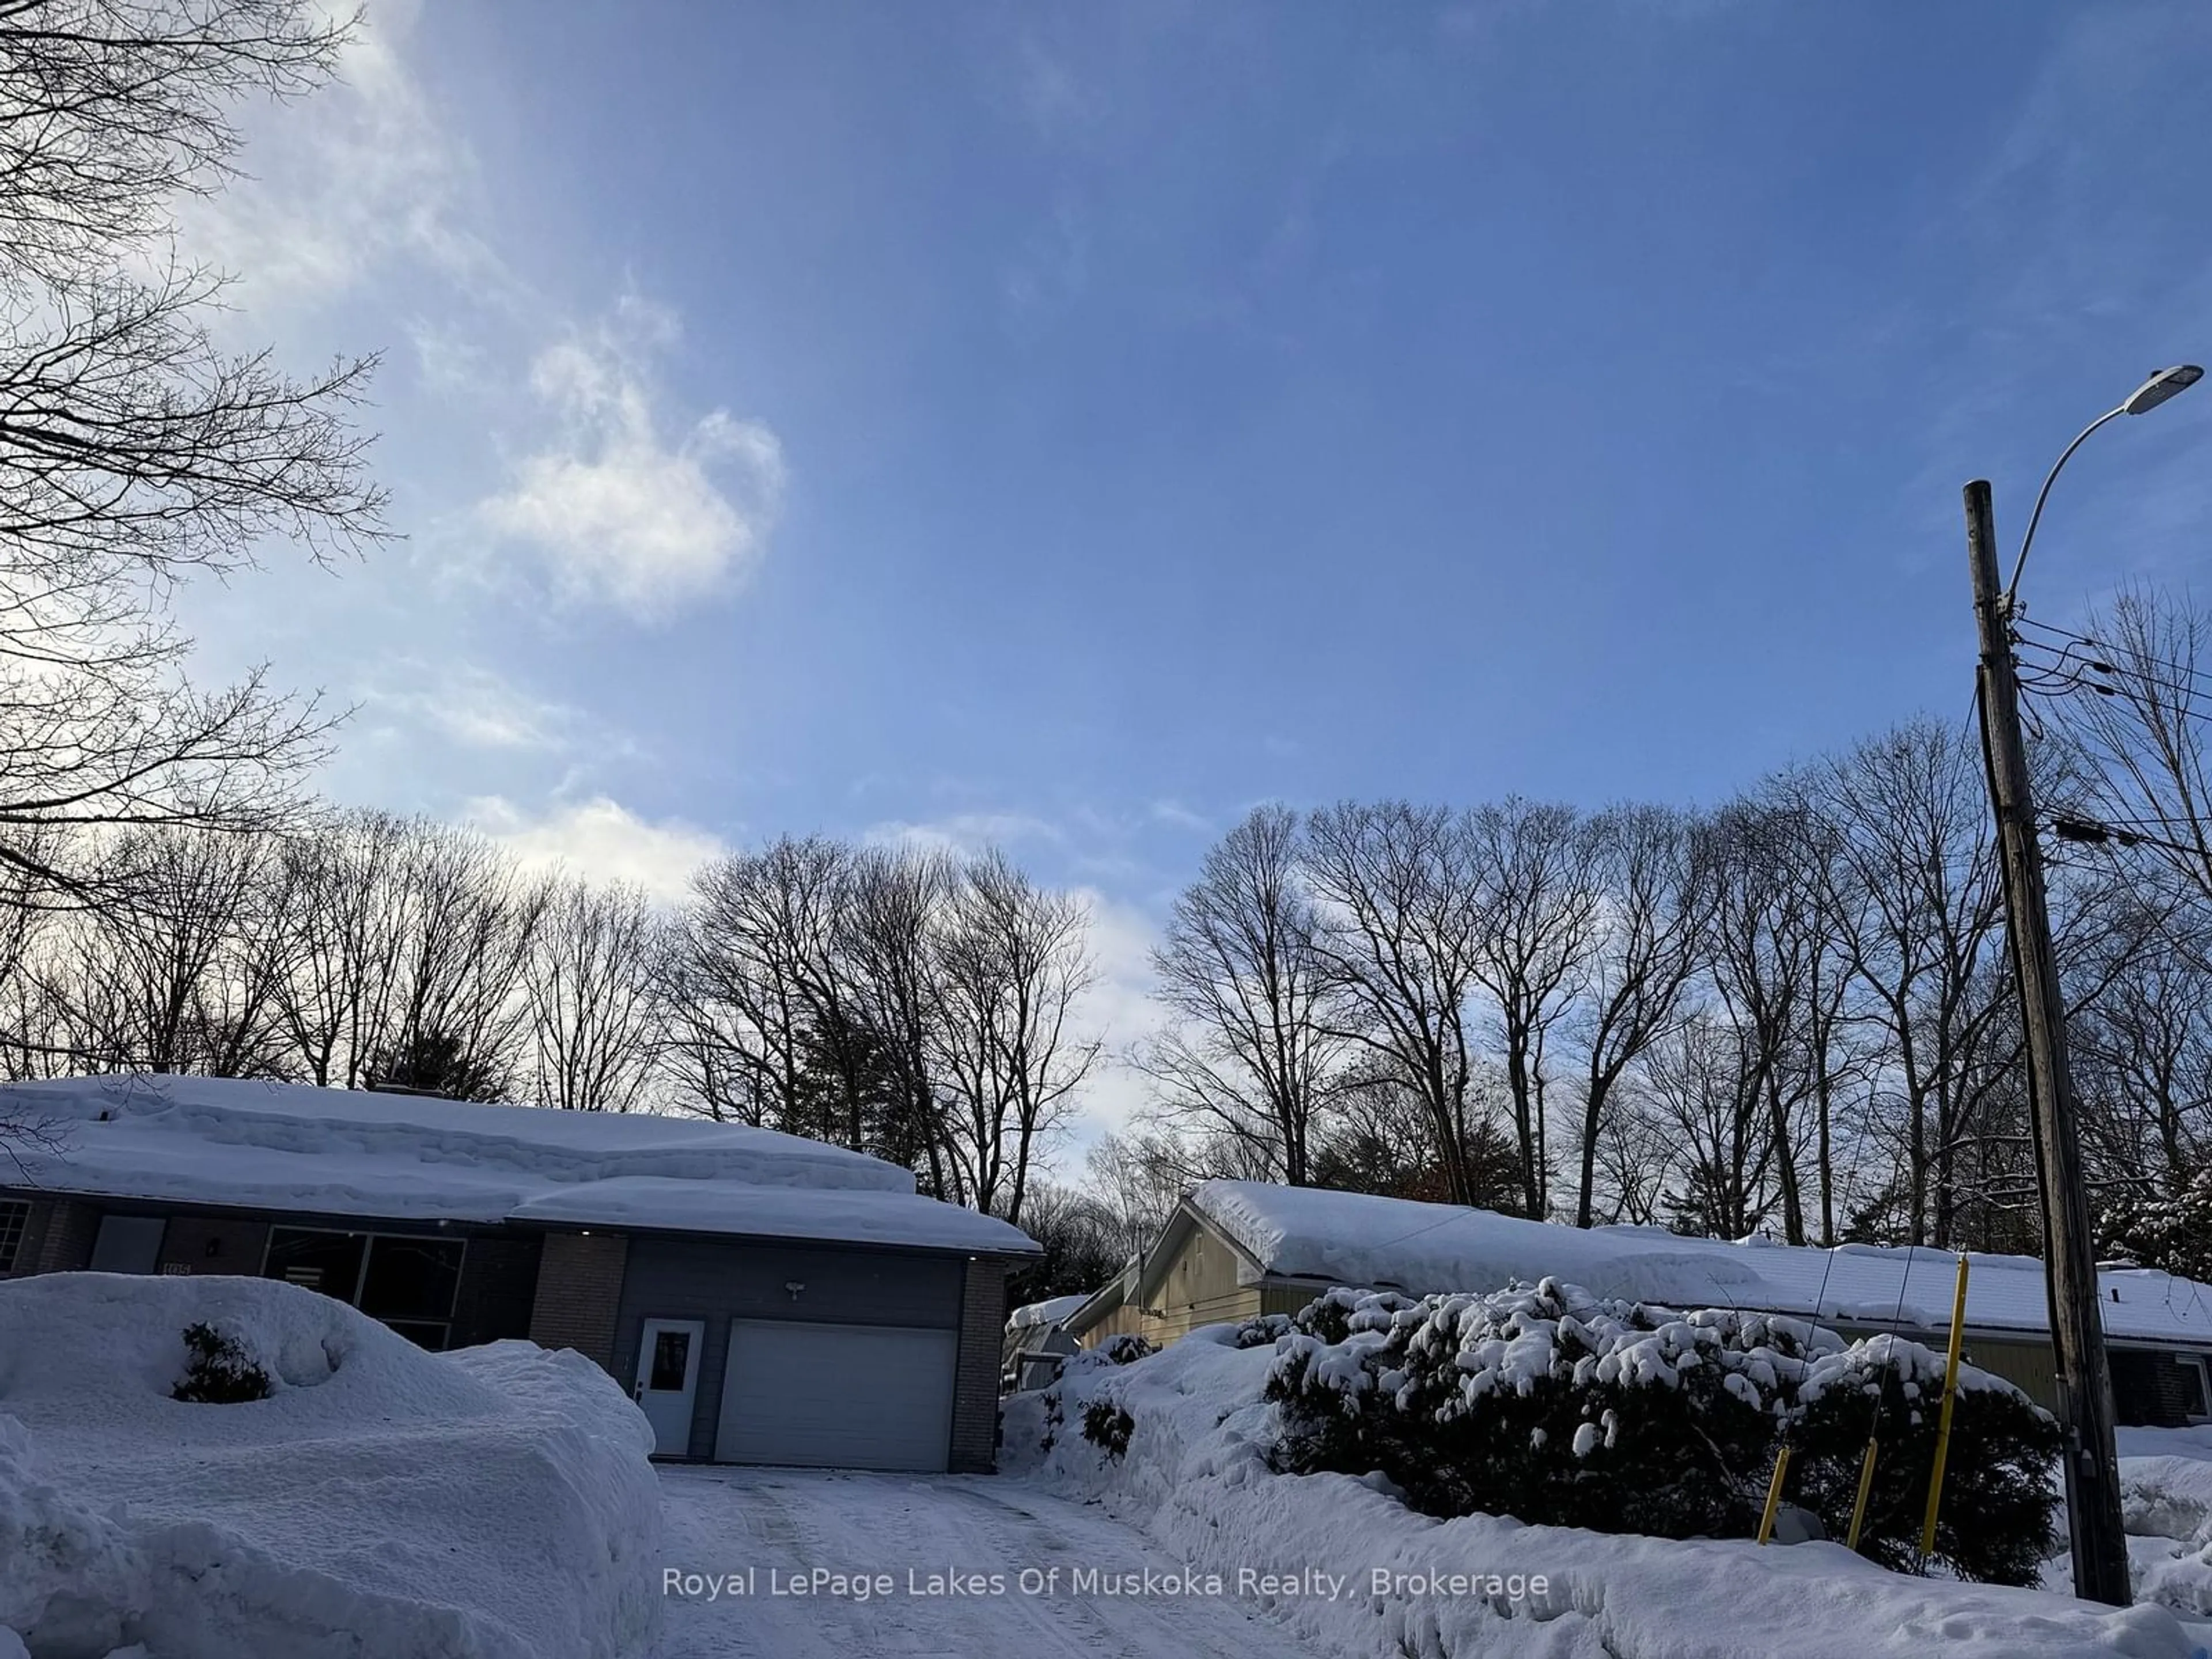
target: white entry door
668 1381
837 1396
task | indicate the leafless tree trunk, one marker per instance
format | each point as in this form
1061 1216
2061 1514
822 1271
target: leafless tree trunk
1242 972
1537 914
1656 895
588 983
1399 891
1011 969
1920 917
896 906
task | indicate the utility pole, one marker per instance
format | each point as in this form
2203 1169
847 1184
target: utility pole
2077 1329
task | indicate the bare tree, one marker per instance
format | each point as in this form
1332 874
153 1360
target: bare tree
745 980
1011 969
345 908
1538 906
1919 917
1243 976
588 982
1656 893
470 919
133 448
176 975
1399 890
895 906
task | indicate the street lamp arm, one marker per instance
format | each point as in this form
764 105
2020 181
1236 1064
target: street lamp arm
2043 494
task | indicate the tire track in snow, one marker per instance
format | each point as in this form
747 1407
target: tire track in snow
793 1521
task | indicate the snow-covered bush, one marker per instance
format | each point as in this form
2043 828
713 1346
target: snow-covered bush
1262 1331
1547 1404
1996 1524
218 1371
1108 1427
1125 1349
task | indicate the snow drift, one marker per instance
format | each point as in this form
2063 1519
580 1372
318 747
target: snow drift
1195 1473
490 1504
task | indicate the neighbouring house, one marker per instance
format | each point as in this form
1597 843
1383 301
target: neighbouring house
1035 1343
765 1298
1234 1249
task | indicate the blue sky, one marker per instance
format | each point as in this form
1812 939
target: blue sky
1071 424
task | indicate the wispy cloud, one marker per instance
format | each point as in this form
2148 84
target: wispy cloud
362 171
622 515
964 833
471 706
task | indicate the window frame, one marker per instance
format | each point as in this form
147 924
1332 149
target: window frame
368 1236
14 1230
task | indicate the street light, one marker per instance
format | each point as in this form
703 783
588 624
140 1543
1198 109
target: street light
2166 383
2097 1535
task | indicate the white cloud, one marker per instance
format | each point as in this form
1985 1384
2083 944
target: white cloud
473 706
964 833
345 179
622 516
598 837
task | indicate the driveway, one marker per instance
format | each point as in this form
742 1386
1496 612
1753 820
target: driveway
955 1550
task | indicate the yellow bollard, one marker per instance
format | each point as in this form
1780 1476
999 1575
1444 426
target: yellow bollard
1866 1486
1774 1494
1943 1424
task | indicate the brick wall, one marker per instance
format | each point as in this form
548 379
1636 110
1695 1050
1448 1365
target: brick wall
975 1386
579 1280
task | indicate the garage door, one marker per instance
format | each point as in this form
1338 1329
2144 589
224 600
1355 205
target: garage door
837 1396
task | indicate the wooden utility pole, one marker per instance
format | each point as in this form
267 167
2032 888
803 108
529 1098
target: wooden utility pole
2077 1329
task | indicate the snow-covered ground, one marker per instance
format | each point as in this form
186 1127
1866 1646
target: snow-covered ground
1196 1482
921 1532
384 1502
2166 1501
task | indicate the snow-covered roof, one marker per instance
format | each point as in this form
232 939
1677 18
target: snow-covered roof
1051 1311
338 1152
1357 1239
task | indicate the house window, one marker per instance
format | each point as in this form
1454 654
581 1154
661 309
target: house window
410 1283
14 1217
2194 1404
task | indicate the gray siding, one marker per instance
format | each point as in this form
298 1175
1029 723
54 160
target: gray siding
704 1280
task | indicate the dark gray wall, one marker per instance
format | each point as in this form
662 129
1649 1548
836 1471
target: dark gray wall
697 1279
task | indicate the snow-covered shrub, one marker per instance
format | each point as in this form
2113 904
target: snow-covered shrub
1996 1522
1125 1349
1108 1427
218 1371
1547 1404
1262 1331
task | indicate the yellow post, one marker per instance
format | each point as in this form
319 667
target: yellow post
1866 1487
1774 1494
1943 1424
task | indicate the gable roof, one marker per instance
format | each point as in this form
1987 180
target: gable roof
1356 1239
340 1151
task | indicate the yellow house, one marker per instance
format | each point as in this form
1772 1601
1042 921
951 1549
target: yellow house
1234 1249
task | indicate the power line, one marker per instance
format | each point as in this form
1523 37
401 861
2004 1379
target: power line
2132 654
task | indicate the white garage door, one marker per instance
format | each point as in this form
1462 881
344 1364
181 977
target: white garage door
837 1396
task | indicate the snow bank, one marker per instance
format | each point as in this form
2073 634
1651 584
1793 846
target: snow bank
1196 1475
2165 1504
342 1151
492 1503
1356 1239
